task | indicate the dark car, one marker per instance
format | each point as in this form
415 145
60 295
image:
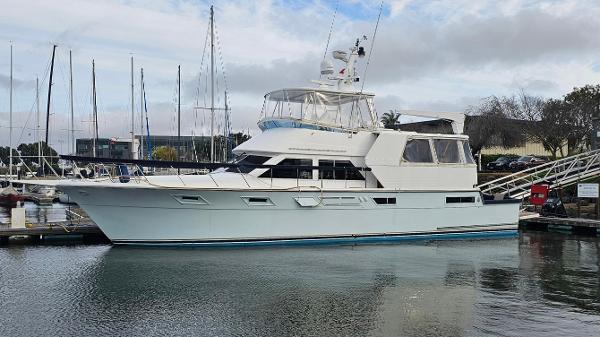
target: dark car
500 164
526 162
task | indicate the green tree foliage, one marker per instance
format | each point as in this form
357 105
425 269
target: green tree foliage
390 119
584 115
28 153
166 153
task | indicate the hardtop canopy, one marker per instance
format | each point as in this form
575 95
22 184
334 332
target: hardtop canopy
321 107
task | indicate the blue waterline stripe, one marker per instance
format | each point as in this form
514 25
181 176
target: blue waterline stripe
334 241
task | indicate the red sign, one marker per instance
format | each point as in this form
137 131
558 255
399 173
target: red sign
539 194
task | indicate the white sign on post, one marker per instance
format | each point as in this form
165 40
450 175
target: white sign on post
587 190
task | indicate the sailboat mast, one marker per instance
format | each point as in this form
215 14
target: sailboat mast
95 108
212 86
37 130
178 112
71 102
10 126
49 93
141 113
132 115
226 131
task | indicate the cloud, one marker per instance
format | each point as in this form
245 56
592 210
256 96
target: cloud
413 49
534 85
17 83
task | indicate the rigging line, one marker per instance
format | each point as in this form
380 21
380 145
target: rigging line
371 48
202 62
26 122
331 29
220 51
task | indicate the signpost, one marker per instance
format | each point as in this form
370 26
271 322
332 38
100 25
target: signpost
588 190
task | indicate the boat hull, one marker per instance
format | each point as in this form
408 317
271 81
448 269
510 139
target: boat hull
232 217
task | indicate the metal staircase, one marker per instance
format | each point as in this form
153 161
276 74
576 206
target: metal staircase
561 172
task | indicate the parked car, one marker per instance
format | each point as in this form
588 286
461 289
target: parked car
526 162
500 164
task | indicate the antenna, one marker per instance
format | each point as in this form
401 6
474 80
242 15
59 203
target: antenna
327 66
371 48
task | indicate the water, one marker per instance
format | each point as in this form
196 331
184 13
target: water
539 284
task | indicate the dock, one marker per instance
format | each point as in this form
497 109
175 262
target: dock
57 231
564 225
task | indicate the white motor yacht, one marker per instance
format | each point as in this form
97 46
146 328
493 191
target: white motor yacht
323 169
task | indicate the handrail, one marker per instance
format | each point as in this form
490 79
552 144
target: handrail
561 172
195 165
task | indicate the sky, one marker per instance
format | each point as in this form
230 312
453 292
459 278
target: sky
441 55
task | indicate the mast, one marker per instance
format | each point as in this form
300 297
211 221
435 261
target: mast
71 102
226 131
50 93
212 86
142 113
178 113
145 110
10 126
95 108
37 130
132 115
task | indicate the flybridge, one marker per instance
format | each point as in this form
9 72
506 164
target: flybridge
335 105
323 109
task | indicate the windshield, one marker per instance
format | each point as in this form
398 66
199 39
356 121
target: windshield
525 158
246 159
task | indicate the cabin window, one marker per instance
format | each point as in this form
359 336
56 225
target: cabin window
385 201
340 174
468 154
459 200
258 201
248 160
446 150
417 151
293 170
190 199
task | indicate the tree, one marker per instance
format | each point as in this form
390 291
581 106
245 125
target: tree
584 113
166 153
553 128
390 119
545 121
29 153
488 124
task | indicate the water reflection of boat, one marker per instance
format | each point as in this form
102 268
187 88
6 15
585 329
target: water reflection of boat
303 292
